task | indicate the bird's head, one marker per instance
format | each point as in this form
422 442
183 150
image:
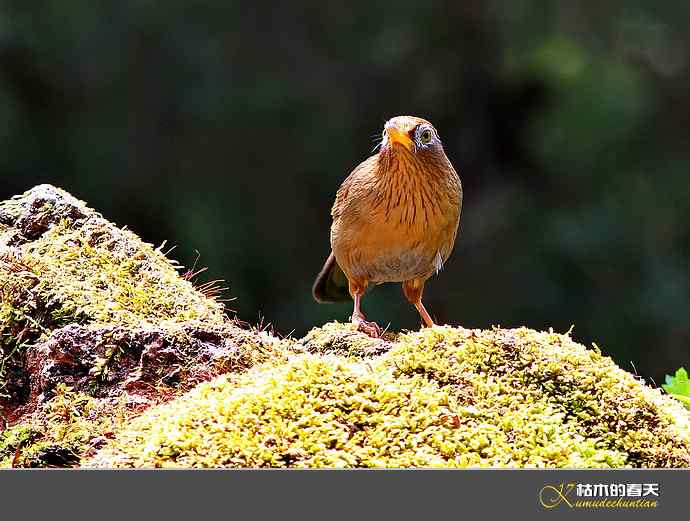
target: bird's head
410 135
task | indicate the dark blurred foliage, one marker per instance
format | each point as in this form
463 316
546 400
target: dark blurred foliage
226 127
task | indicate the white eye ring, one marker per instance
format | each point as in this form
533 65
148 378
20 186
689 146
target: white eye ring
425 136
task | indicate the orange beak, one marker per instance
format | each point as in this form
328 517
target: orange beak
395 135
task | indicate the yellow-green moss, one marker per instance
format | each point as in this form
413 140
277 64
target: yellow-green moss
109 276
16 280
441 397
345 340
18 310
25 435
445 396
95 272
63 263
71 423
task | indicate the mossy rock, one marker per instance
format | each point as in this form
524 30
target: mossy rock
89 309
111 357
82 297
442 397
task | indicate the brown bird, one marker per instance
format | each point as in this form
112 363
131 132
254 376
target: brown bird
395 219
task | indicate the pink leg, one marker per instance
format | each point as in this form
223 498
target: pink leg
370 328
424 314
413 290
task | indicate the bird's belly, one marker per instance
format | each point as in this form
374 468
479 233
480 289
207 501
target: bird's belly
387 249
398 266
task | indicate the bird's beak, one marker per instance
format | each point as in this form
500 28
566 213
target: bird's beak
395 135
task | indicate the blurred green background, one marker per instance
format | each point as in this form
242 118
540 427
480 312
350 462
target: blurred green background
226 127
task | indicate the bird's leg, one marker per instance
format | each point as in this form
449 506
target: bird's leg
413 290
358 318
424 314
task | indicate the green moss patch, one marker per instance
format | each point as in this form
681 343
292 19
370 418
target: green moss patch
447 397
90 313
109 276
62 264
110 357
65 428
345 340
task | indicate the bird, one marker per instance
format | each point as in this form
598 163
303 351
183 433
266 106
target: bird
395 219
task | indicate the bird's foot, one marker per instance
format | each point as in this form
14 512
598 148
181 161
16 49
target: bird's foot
369 328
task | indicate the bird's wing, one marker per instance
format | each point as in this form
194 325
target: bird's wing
342 197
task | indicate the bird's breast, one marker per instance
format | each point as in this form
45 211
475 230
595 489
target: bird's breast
393 241
396 220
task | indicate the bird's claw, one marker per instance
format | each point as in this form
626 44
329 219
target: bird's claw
368 328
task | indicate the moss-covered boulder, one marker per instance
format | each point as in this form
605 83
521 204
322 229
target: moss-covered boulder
441 397
88 308
111 357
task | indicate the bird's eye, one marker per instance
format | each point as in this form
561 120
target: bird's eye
425 136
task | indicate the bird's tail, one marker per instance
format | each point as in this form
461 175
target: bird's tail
331 283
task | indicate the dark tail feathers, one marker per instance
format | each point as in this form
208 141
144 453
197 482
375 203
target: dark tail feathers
331 283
